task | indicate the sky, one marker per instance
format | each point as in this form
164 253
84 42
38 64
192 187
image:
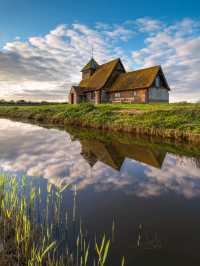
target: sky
44 44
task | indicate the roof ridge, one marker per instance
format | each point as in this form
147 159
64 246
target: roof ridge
111 61
142 69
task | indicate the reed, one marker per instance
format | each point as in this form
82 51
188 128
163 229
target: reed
34 229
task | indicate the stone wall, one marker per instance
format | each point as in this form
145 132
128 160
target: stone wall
90 97
138 96
97 97
158 94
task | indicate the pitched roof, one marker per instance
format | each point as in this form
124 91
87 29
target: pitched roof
100 76
142 78
92 64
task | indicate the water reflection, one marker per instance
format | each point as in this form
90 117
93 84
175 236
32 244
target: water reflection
105 162
114 154
136 180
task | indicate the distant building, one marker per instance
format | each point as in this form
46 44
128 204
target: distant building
111 83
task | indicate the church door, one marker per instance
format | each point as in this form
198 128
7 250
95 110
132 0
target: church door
72 98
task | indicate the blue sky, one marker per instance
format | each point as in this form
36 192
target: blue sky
29 18
44 44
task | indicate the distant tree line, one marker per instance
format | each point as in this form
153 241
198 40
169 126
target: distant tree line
23 102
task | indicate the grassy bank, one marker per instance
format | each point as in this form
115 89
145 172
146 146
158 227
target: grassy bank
177 121
151 143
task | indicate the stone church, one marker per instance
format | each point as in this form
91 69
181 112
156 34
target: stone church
110 82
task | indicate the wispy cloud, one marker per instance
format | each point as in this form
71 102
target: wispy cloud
44 68
148 24
120 33
177 48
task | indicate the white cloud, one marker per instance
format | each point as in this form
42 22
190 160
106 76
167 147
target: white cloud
177 48
120 33
43 68
148 24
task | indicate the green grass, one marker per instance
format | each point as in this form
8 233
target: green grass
182 117
150 107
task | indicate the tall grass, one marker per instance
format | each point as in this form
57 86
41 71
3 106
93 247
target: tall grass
33 230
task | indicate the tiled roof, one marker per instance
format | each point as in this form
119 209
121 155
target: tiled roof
100 76
138 79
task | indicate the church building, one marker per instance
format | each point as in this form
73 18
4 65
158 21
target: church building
110 82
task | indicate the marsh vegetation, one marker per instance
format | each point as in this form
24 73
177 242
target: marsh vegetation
33 229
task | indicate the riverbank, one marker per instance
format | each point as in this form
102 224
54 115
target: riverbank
174 121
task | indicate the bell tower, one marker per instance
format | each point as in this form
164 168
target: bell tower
89 69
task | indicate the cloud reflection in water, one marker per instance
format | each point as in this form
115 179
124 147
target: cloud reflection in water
52 154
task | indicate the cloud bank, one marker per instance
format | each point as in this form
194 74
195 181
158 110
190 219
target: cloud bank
44 68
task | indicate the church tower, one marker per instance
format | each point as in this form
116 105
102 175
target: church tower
89 68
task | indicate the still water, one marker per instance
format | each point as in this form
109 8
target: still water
147 187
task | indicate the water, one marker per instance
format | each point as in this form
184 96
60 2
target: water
150 189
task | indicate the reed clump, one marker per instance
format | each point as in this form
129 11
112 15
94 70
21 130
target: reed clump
37 230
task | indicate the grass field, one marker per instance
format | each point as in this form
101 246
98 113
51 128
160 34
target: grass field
117 106
168 120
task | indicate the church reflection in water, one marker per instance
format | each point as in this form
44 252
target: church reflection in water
114 153
100 160
113 148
